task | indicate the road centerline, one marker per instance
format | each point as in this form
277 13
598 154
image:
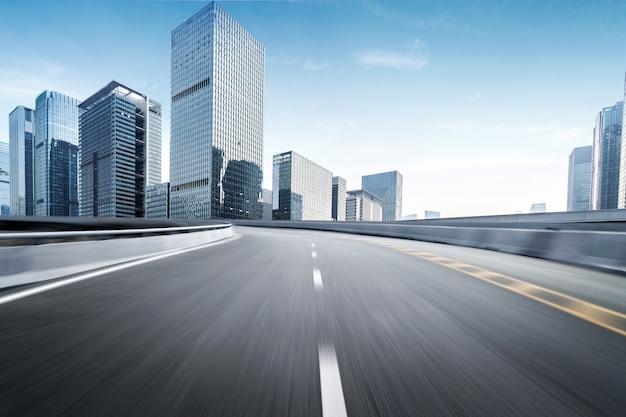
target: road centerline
317 279
333 402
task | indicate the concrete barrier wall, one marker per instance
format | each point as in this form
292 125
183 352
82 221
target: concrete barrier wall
32 263
598 249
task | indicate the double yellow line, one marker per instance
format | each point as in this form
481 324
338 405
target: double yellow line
603 317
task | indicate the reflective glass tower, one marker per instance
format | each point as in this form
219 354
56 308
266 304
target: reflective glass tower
21 142
607 146
621 195
5 180
216 150
301 189
55 155
120 142
387 186
579 179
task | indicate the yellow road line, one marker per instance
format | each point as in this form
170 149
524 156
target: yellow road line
601 316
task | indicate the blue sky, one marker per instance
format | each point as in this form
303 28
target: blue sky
477 103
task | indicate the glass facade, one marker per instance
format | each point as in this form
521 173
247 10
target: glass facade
301 189
579 179
607 145
363 206
339 199
21 142
387 186
621 195
158 201
120 142
56 128
216 150
5 180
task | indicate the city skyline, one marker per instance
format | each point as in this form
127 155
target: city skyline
434 93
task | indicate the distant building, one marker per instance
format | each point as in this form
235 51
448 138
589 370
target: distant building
339 199
158 201
217 86
120 142
605 169
621 195
431 214
267 204
363 206
56 155
301 189
410 217
5 180
579 179
21 145
388 186
538 208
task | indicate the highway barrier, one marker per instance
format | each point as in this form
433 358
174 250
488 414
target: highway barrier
594 248
28 257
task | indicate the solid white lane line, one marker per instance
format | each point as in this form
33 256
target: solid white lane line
317 279
103 271
333 403
314 254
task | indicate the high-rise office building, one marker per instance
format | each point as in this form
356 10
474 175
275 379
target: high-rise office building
301 189
363 206
388 186
216 150
605 166
5 180
158 201
621 195
339 199
21 143
579 179
120 142
55 155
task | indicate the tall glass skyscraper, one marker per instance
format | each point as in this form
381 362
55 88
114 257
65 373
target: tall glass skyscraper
388 186
21 143
302 190
5 180
607 146
216 150
579 179
621 195
120 142
55 155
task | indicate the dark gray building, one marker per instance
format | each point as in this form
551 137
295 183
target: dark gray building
120 143
388 186
605 168
158 201
21 143
55 155
579 179
339 199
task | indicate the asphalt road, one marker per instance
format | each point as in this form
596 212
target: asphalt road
300 323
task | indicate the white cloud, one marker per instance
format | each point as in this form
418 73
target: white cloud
413 58
314 66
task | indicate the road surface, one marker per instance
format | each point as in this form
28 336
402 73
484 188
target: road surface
303 323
